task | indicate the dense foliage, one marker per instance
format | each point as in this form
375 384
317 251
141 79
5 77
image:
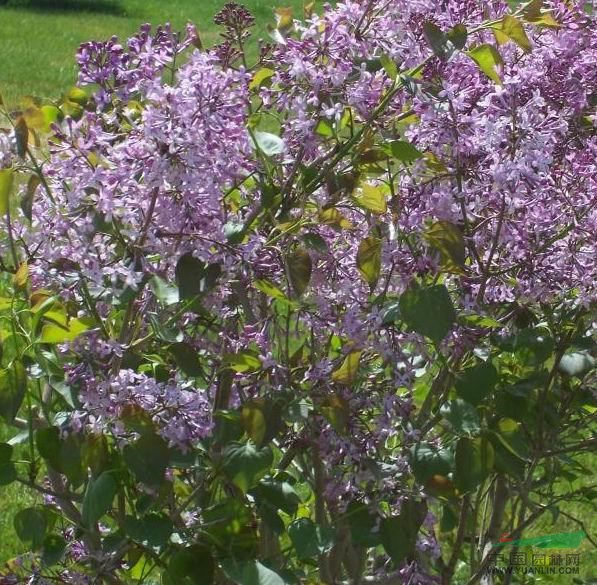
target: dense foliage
321 318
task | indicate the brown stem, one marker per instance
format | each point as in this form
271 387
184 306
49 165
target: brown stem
320 511
448 572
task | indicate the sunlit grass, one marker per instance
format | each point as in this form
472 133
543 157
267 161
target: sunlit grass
38 38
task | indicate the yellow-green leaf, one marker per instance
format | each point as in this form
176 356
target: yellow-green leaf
78 96
533 13
347 372
51 115
448 240
324 128
6 183
332 216
270 289
53 333
371 197
253 421
369 260
389 66
336 410
243 362
283 18
510 28
260 77
487 58
299 267
21 276
34 117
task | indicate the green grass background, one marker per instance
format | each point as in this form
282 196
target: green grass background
38 40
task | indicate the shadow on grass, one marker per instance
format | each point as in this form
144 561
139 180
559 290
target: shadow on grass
112 7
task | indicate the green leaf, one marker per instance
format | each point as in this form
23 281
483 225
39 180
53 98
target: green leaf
6 183
308 539
234 232
5 452
47 440
30 525
510 448
250 572
449 519
389 65
476 383
98 498
163 292
244 362
390 313
458 35
533 346
151 530
253 420
13 384
505 460
399 533
511 28
53 548
8 473
462 416
187 359
363 525
270 289
269 515
190 566
474 460
54 333
148 459
487 57
369 260
403 151
371 198
71 460
298 264
245 464
510 434
260 77
427 461
448 240
436 39
195 277
347 372
324 128
315 242
428 311
268 143
279 494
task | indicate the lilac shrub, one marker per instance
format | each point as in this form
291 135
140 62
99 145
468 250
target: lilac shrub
319 316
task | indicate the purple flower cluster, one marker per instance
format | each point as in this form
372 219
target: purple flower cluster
156 189
180 413
166 165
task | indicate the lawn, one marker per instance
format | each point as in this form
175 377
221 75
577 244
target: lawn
38 38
